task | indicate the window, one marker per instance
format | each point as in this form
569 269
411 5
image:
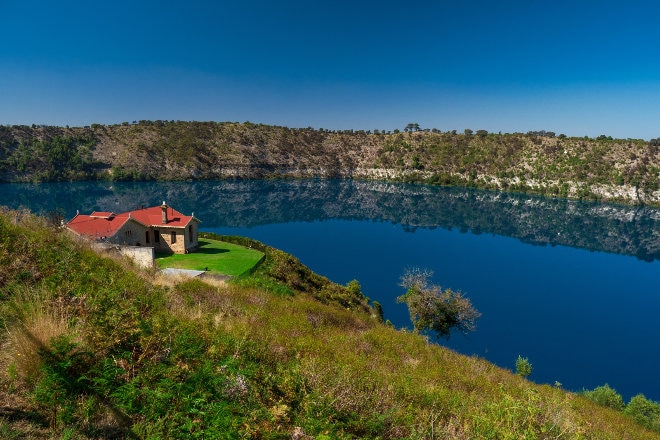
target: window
146 236
173 237
156 236
190 233
128 233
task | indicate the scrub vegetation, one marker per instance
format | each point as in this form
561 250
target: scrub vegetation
92 347
644 411
626 170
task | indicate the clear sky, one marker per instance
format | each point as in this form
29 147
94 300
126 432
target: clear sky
575 67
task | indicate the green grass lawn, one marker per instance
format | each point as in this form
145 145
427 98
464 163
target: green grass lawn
216 256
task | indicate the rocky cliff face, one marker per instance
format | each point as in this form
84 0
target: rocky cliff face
620 170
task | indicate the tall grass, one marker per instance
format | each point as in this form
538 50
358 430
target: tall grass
32 322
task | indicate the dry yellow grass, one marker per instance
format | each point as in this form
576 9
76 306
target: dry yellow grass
35 322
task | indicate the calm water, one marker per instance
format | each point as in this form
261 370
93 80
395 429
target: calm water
573 286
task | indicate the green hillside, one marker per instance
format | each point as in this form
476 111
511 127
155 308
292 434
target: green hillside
626 170
93 347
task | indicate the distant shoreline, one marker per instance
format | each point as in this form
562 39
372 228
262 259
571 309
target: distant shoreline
613 170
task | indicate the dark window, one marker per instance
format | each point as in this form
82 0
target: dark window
146 236
173 236
191 233
156 236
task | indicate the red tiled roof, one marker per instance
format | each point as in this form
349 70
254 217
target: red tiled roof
106 224
96 226
153 217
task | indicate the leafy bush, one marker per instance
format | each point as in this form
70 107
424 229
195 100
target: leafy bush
378 309
523 367
605 396
645 412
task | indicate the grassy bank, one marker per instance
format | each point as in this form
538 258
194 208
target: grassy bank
94 347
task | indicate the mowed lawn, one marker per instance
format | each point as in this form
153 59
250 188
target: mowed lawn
216 256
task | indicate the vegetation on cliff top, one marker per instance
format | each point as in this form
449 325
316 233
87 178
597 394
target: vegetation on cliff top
95 347
603 168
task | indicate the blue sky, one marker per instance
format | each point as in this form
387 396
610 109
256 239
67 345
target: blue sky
579 67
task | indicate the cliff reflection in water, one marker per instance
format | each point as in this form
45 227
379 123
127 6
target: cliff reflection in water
628 230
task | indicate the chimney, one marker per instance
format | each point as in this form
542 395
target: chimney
163 208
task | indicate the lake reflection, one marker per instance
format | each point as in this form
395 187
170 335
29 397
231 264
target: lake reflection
610 228
571 285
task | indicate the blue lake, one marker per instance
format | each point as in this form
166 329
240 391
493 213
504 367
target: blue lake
573 286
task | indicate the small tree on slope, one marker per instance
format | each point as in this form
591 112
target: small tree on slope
432 308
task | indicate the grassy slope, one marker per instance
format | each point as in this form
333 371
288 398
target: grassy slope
215 256
614 169
95 348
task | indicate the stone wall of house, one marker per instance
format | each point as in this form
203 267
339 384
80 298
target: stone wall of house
164 243
142 255
131 233
192 229
157 240
175 239
181 244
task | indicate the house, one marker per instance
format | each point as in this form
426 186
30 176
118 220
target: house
161 227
